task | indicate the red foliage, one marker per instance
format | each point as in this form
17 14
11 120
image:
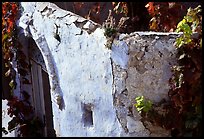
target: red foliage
20 110
150 8
182 114
165 15
9 11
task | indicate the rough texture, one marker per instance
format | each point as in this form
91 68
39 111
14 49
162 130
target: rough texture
151 56
88 80
82 73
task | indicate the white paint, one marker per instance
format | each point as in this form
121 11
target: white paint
146 33
119 54
85 77
83 73
80 71
5 119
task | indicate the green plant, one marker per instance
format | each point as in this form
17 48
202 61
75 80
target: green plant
182 113
164 15
21 111
120 7
142 104
186 83
190 23
111 29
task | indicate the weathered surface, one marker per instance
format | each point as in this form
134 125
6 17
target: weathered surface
90 82
79 65
150 64
151 56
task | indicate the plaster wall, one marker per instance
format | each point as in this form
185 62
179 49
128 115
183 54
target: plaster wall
84 72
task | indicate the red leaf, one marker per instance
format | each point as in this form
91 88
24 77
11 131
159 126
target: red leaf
150 8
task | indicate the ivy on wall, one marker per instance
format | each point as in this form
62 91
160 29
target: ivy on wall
20 110
182 114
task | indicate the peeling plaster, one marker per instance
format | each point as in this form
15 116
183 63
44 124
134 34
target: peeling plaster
83 71
52 71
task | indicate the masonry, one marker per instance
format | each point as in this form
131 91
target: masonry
93 88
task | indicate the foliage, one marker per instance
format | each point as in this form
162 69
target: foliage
120 7
182 114
111 29
19 110
186 89
165 15
191 23
142 104
9 11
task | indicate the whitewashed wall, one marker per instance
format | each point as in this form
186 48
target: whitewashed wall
83 71
5 119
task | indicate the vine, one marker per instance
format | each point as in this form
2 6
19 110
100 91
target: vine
19 109
120 7
182 114
164 15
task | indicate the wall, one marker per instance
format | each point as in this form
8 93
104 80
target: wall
5 119
93 88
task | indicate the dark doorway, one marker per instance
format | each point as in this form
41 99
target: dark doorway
41 96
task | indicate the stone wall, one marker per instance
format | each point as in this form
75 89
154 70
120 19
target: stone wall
147 72
93 88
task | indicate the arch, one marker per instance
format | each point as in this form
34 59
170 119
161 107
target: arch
50 66
41 96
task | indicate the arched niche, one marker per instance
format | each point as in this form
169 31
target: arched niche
41 95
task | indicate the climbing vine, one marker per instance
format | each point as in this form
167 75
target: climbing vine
164 15
20 110
120 7
182 114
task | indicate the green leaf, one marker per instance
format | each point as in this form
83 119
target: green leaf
180 24
189 19
142 104
11 84
5 37
8 73
186 28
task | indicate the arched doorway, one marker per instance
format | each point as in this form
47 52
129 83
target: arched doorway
41 97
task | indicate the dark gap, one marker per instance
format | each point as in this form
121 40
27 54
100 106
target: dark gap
48 105
6 94
87 116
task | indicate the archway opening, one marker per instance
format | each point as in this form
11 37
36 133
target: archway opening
41 95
